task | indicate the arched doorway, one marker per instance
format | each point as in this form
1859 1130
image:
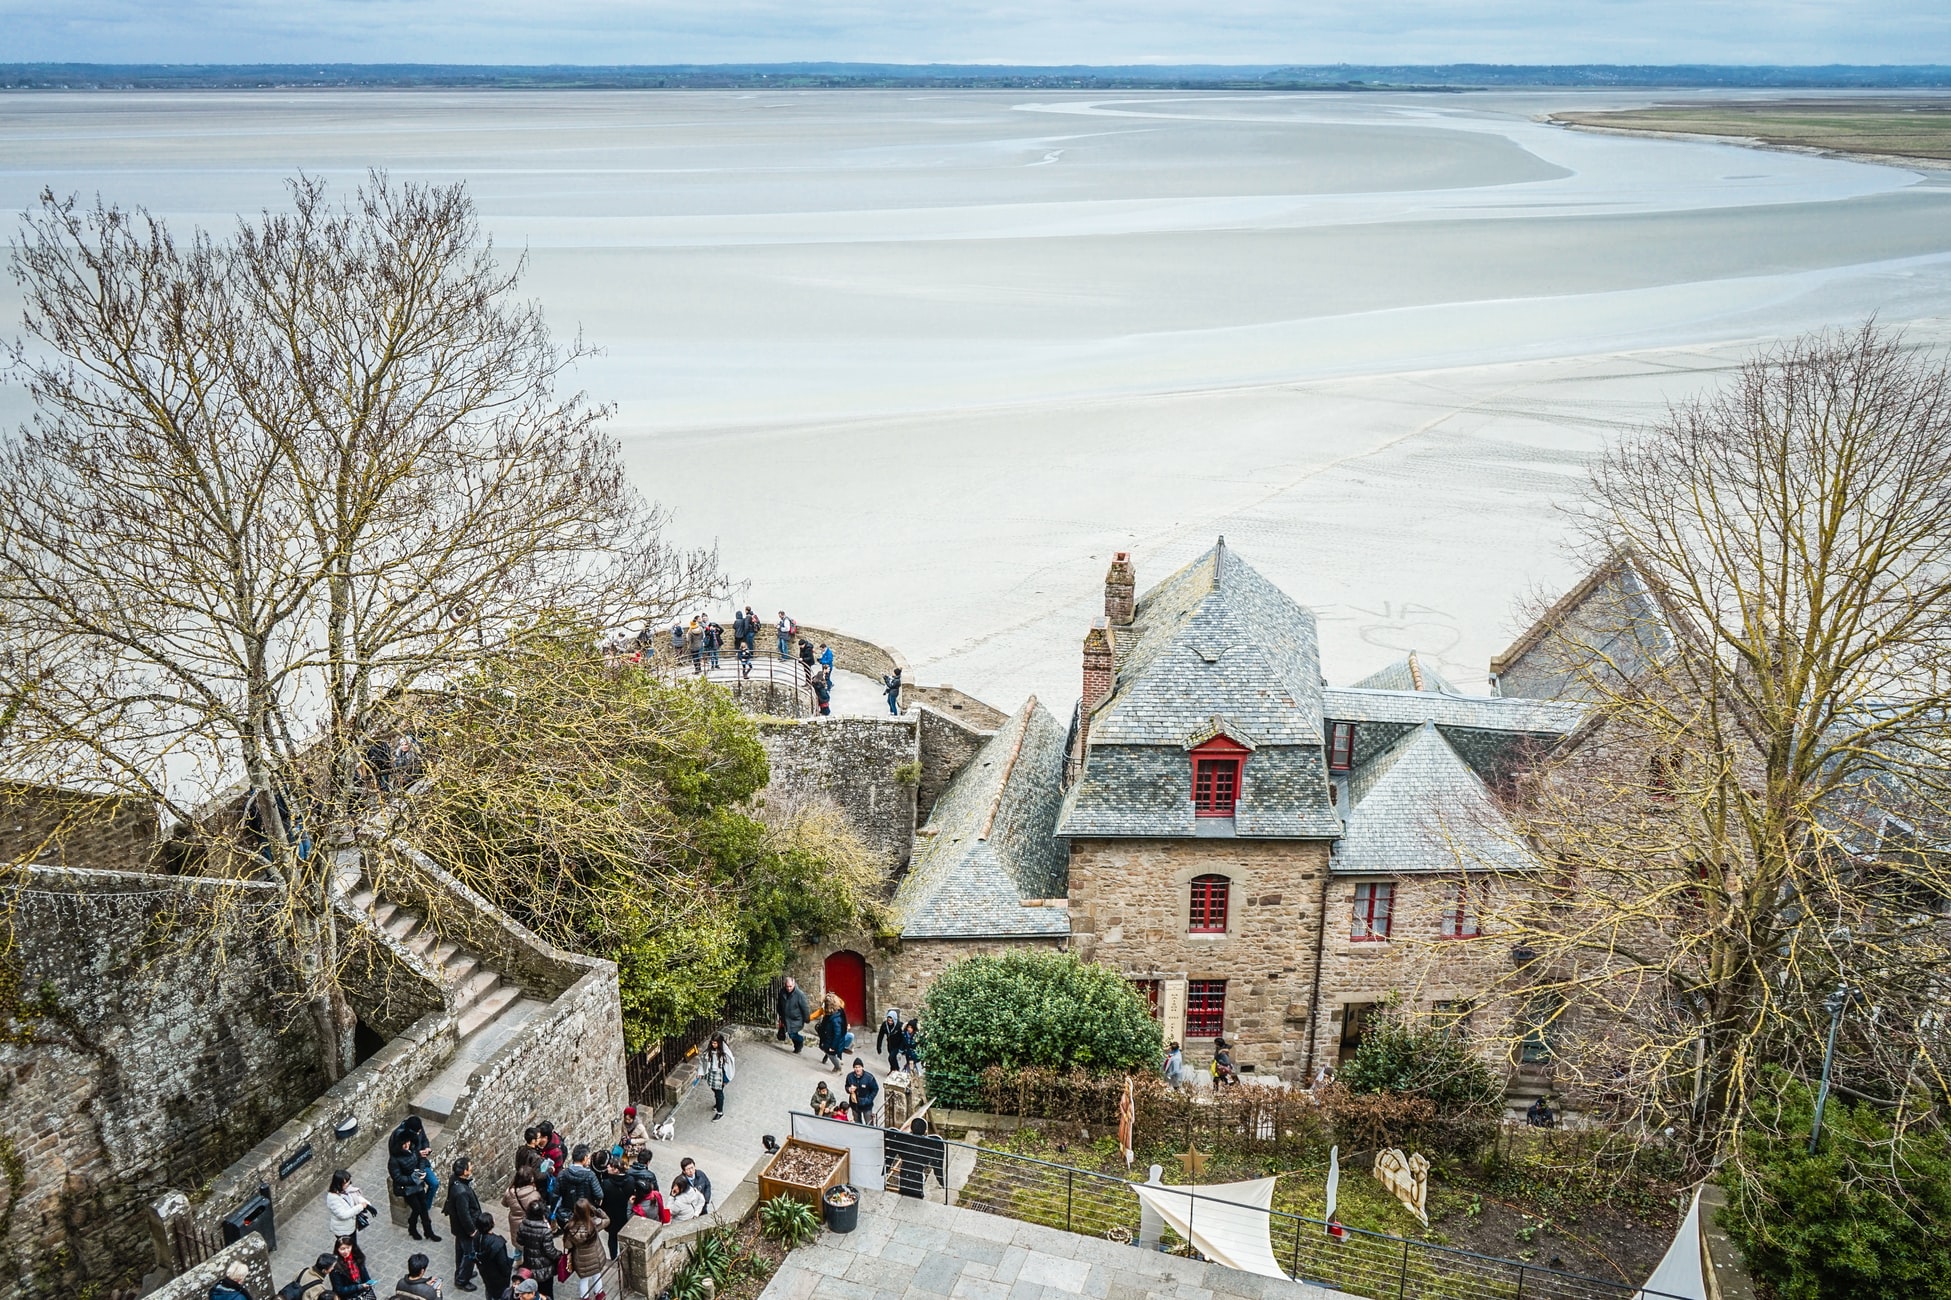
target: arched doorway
846 974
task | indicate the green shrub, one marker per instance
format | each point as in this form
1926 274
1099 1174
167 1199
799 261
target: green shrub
1033 1008
1868 1216
1416 1083
788 1221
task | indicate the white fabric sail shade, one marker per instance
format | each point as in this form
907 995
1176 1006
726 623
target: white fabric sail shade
1228 1223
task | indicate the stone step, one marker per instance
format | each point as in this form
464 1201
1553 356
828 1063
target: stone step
401 924
364 899
443 952
383 912
486 1008
434 1108
459 966
474 987
422 942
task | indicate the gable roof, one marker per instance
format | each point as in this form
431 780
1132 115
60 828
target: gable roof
1215 639
989 844
1611 620
1408 673
1419 808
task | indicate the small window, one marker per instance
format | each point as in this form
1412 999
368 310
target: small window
1460 911
1148 990
1208 912
1205 1008
1215 786
1341 746
1373 904
1453 1017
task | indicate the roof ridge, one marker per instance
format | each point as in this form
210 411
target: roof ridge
1009 767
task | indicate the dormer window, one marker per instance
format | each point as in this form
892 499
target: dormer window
1216 769
1341 746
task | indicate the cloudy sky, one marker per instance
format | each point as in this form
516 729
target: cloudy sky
1010 31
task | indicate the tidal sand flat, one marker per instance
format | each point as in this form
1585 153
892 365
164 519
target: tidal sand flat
921 361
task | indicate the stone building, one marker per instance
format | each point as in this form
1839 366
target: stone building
1265 856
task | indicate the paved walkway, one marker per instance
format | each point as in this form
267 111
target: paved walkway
907 1249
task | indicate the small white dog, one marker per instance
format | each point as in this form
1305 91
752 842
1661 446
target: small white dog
665 1129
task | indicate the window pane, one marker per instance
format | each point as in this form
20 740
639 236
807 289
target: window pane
1205 1008
1207 913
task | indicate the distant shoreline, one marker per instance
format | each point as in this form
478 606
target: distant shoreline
1422 78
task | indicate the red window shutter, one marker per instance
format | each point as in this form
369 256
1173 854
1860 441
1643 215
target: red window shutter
1207 914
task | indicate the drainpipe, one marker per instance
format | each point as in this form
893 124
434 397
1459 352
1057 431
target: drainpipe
1320 946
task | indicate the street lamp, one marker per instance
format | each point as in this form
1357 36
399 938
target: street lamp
1834 1005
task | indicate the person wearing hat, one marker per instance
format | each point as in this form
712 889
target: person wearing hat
231 1285
522 1290
635 1136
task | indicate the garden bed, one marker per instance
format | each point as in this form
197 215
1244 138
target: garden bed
803 1170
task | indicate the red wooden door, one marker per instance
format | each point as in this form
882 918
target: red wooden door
846 974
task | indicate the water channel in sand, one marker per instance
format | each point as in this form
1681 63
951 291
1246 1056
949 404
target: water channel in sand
921 361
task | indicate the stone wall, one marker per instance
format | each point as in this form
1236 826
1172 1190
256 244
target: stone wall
851 761
71 828
375 1094
947 744
134 1060
196 1283
960 705
566 1067
1129 906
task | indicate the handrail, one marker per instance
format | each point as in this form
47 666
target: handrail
765 672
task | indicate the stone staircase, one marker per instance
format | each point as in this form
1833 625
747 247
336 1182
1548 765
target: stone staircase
488 1009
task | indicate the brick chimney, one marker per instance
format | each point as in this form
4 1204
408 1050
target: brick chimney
1120 590
1100 674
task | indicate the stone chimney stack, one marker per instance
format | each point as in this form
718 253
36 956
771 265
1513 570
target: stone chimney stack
1120 590
1100 675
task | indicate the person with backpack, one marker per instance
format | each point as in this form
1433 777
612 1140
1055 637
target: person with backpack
823 691
715 1070
834 1038
694 641
493 1257
463 1210
410 1173
536 1237
751 629
231 1285
714 640
787 631
418 1284
314 1283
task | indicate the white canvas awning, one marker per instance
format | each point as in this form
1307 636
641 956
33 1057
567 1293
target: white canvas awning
1228 1223
1680 1272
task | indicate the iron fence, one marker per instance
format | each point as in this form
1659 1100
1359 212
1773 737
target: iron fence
646 1072
764 684
190 1243
1359 1262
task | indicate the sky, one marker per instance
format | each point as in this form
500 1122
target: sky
971 31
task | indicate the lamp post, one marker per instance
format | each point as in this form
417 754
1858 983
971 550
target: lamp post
1834 1005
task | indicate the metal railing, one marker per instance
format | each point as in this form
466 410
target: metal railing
765 684
645 1073
1372 1264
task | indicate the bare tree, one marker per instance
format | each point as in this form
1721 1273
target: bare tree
1755 811
275 482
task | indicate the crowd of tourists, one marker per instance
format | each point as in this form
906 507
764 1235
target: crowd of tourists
566 1205
701 641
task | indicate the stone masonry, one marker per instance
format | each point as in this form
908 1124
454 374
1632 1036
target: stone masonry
868 767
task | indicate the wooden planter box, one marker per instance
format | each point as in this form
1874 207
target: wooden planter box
807 1193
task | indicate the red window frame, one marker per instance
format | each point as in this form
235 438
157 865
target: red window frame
1374 911
1148 990
1341 746
1460 911
1217 769
1207 913
1205 1008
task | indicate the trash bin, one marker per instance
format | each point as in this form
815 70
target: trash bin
842 1207
253 1215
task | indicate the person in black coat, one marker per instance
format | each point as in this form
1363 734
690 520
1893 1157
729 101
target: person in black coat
537 1237
350 1280
862 1090
793 1011
492 1257
463 1212
618 1191
919 1153
412 1177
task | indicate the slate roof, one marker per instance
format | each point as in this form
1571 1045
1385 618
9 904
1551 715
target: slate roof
990 845
1215 638
1479 712
1610 622
1408 673
1417 807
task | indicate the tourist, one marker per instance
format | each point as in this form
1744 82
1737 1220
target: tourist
1175 1067
418 1284
314 1282
1539 1114
891 687
834 1038
521 1194
694 640
696 1177
493 1257
537 1241
578 1181
231 1285
348 1209
529 1153
787 630
911 1045
862 1090
635 1138
686 1201
888 1040
412 1178
406 761
806 657
716 1069
751 629
823 691
745 663
826 659
551 1144
649 1204
350 1280
919 1153
1224 1075
738 629
714 639
1323 1076
677 642
463 1208
584 1237
379 761
793 1012
646 643
824 1103
618 1191
640 1171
